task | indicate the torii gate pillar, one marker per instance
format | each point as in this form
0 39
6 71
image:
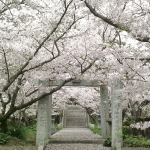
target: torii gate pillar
116 115
44 120
105 126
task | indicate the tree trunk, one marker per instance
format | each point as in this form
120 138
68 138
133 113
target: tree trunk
3 126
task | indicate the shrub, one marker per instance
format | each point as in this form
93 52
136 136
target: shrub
107 142
136 141
126 131
18 132
3 138
32 128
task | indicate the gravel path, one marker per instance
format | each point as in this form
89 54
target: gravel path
76 139
79 139
76 147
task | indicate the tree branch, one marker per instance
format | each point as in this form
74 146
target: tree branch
136 72
43 95
27 95
118 25
7 6
14 77
105 19
6 65
88 67
15 93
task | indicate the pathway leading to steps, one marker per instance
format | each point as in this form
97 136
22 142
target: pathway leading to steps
76 139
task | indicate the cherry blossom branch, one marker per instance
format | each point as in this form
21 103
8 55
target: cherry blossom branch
7 68
32 92
15 92
43 95
7 6
88 67
24 105
55 43
116 25
2 102
14 77
52 91
105 19
136 72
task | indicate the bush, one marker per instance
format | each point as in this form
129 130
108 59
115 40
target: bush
136 141
3 138
32 128
107 142
126 131
18 132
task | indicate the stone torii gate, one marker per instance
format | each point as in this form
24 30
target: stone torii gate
109 126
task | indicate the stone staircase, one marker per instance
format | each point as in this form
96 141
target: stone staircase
75 139
75 134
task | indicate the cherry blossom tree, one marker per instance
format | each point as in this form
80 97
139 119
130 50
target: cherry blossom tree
32 41
86 97
127 23
71 39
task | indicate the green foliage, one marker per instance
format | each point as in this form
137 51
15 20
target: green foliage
131 140
17 131
3 138
30 136
126 131
107 142
129 120
31 128
96 130
57 128
136 141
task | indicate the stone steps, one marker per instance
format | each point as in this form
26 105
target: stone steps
75 135
75 139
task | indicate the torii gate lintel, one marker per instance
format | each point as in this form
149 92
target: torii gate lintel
88 83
